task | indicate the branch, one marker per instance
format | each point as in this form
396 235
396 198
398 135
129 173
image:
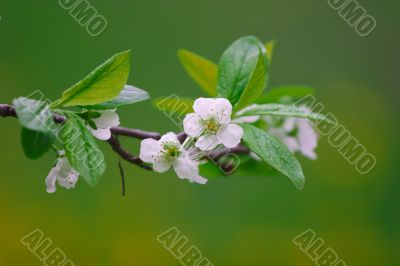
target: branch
9 111
135 133
113 141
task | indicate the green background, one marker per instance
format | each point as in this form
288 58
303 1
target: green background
233 221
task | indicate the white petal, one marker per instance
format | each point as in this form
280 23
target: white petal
170 137
192 125
308 138
70 180
161 166
222 110
63 167
61 172
207 142
108 118
202 106
290 124
291 143
199 180
51 180
246 119
188 169
230 135
149 150
101 133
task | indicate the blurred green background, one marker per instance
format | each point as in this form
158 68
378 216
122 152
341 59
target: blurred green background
233 221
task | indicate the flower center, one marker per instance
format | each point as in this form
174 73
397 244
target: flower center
171 151
211 126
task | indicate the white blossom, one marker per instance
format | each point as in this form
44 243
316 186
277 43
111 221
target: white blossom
167 152
299 135
211 124
63 173
107 120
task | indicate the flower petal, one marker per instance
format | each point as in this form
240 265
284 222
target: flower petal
230 135
308 138
161 166
291 143
108 118
101 133
290 124
188 169
170 137
199 180
222 110
149 150
63 167
207 142
51 180
192 125
69 181
202 106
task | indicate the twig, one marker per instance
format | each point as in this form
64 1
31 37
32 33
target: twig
121 171
135 133
9 111
126 155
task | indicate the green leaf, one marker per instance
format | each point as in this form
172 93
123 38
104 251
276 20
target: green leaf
174 105
36 143
282 110
236 67
81 148
128 95
286 94
255 88
270 46
201 70
101 85
34 115
273 152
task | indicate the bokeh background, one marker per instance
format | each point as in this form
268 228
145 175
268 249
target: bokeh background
233 221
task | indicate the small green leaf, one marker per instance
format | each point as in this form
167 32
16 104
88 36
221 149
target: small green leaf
101 85
286 94
201 70
270 46
255 88
273 152
174 105
36 143
282 110
236 67
128 95
81 148
34 115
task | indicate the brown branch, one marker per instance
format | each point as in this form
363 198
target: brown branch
9 111
113 141
135 133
